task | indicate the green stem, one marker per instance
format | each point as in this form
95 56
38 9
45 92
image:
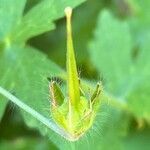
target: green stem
35 114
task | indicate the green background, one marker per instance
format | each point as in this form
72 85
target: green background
111 40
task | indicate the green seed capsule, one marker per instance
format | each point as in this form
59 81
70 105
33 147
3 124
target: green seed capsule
74 113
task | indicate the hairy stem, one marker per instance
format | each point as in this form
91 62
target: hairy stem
35 114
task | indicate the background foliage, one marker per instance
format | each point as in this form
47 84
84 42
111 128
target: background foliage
111 39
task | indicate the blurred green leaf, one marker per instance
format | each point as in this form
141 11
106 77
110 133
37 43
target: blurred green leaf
8 22
27 143
138 98
41 18
137 140
26 69
10 16
114 131
111 52
142 13
2 107
125 75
